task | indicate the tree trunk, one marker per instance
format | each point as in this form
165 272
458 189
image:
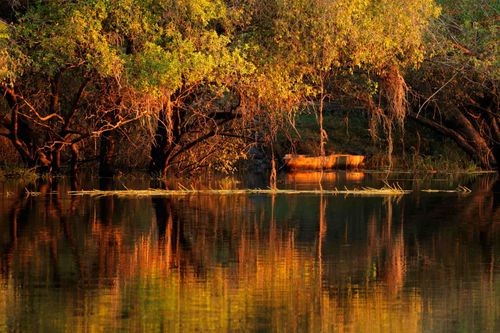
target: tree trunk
41 162
22 136
74 161
106 153
165 141
496 154
74 171
55 163
157 165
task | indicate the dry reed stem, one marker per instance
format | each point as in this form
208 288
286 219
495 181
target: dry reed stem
460 189
365 191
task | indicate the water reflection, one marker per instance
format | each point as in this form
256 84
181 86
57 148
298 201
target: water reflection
338 179
250 263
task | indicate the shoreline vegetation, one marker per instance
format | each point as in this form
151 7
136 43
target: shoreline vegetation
16 173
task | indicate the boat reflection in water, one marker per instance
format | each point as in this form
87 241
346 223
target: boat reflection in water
275 263
315 177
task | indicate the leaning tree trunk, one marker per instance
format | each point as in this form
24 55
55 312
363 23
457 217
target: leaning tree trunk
458 128
474 137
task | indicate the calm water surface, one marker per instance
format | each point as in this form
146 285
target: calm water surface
423 262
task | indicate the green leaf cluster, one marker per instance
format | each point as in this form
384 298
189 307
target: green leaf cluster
12 60
310 41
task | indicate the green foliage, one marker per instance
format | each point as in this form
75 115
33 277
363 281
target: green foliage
181 49
467 36
155 67
58 34
12 61
185 62
165 45
370 35
391 33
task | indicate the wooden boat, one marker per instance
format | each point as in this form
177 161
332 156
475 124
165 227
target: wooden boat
312 176
329 162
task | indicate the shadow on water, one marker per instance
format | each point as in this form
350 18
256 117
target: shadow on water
250 262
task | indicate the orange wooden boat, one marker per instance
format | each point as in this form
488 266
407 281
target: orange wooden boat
329 162
312 176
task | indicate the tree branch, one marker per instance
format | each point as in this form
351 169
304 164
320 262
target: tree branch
198 140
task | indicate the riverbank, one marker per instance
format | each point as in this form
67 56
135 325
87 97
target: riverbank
416 150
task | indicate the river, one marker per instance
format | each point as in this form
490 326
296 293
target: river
419 262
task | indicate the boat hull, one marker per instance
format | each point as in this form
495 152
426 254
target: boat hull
329 162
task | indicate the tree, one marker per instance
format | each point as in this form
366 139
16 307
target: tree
192 71
61 79
367 44
456 89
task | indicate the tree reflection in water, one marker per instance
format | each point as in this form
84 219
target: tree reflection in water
249 263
